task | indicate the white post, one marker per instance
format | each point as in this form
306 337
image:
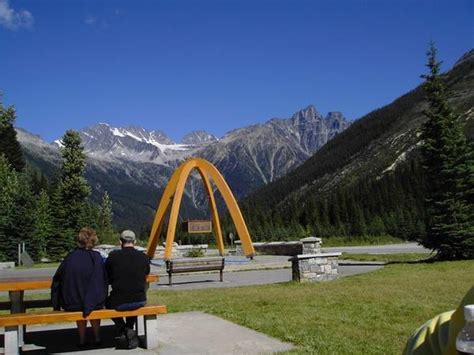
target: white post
19 254
11 341
151 332
141 326
17 306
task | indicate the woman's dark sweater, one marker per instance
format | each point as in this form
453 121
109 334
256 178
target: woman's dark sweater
80 283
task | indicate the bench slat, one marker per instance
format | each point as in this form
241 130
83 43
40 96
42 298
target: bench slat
194 268
63 316
197 262
191 265
36 283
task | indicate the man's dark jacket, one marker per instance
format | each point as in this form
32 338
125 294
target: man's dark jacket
126 270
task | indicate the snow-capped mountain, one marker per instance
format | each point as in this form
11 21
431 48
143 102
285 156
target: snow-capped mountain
134 164
105 142
198 138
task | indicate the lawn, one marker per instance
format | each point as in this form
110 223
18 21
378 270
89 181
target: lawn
372 313
388 258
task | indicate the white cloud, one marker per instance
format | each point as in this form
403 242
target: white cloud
90 20
14 19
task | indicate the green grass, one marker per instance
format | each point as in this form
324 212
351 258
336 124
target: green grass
389 258
357 241
372 313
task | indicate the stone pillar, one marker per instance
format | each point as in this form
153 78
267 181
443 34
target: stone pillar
315 267
238 248
160 251
311 245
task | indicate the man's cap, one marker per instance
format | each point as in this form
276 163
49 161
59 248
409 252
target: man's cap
127 236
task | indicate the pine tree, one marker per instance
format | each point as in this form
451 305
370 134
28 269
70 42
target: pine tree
9 145
446 155
8 193
43 224
23 215
105 229
71 198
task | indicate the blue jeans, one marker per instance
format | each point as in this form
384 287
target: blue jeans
120 323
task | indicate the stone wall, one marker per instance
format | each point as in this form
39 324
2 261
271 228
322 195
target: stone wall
7 265
179 251
310 245
315 267
273 248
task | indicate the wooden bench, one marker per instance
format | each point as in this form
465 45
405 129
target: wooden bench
12 322
194 264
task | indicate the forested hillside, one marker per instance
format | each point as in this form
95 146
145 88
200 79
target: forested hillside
366 181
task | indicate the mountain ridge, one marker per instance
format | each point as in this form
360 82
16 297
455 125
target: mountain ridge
124 159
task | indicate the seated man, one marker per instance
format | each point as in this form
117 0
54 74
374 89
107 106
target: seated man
127 269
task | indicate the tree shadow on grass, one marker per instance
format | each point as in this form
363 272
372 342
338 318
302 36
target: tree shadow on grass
430 260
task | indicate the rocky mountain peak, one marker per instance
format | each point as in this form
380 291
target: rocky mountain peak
198 137
307 114
335 120
335 115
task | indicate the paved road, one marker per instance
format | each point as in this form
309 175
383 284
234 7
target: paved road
245 278
210 280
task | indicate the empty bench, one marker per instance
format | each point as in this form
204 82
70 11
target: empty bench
193 265
13 322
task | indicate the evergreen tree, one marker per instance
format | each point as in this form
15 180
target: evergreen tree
8 193
23 214
16 212
43 224
105 229
447 160
71 198
9 145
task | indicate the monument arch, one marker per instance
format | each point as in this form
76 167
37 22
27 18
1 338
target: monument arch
173 195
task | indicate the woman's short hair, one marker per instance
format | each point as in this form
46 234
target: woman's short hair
87 238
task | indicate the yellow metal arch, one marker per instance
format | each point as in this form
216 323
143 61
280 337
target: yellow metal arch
174 193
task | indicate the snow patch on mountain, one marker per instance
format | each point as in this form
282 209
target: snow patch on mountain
116 132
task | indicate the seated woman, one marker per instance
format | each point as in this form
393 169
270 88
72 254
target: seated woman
80 283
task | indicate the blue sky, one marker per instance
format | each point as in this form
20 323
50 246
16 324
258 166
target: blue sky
215 65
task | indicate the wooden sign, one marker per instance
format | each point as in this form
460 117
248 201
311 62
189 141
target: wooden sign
199 226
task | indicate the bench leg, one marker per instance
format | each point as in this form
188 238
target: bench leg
17 306
169 279
11 340
140 326
151 332
222 278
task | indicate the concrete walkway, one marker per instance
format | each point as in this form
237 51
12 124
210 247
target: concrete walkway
178 333
259 273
